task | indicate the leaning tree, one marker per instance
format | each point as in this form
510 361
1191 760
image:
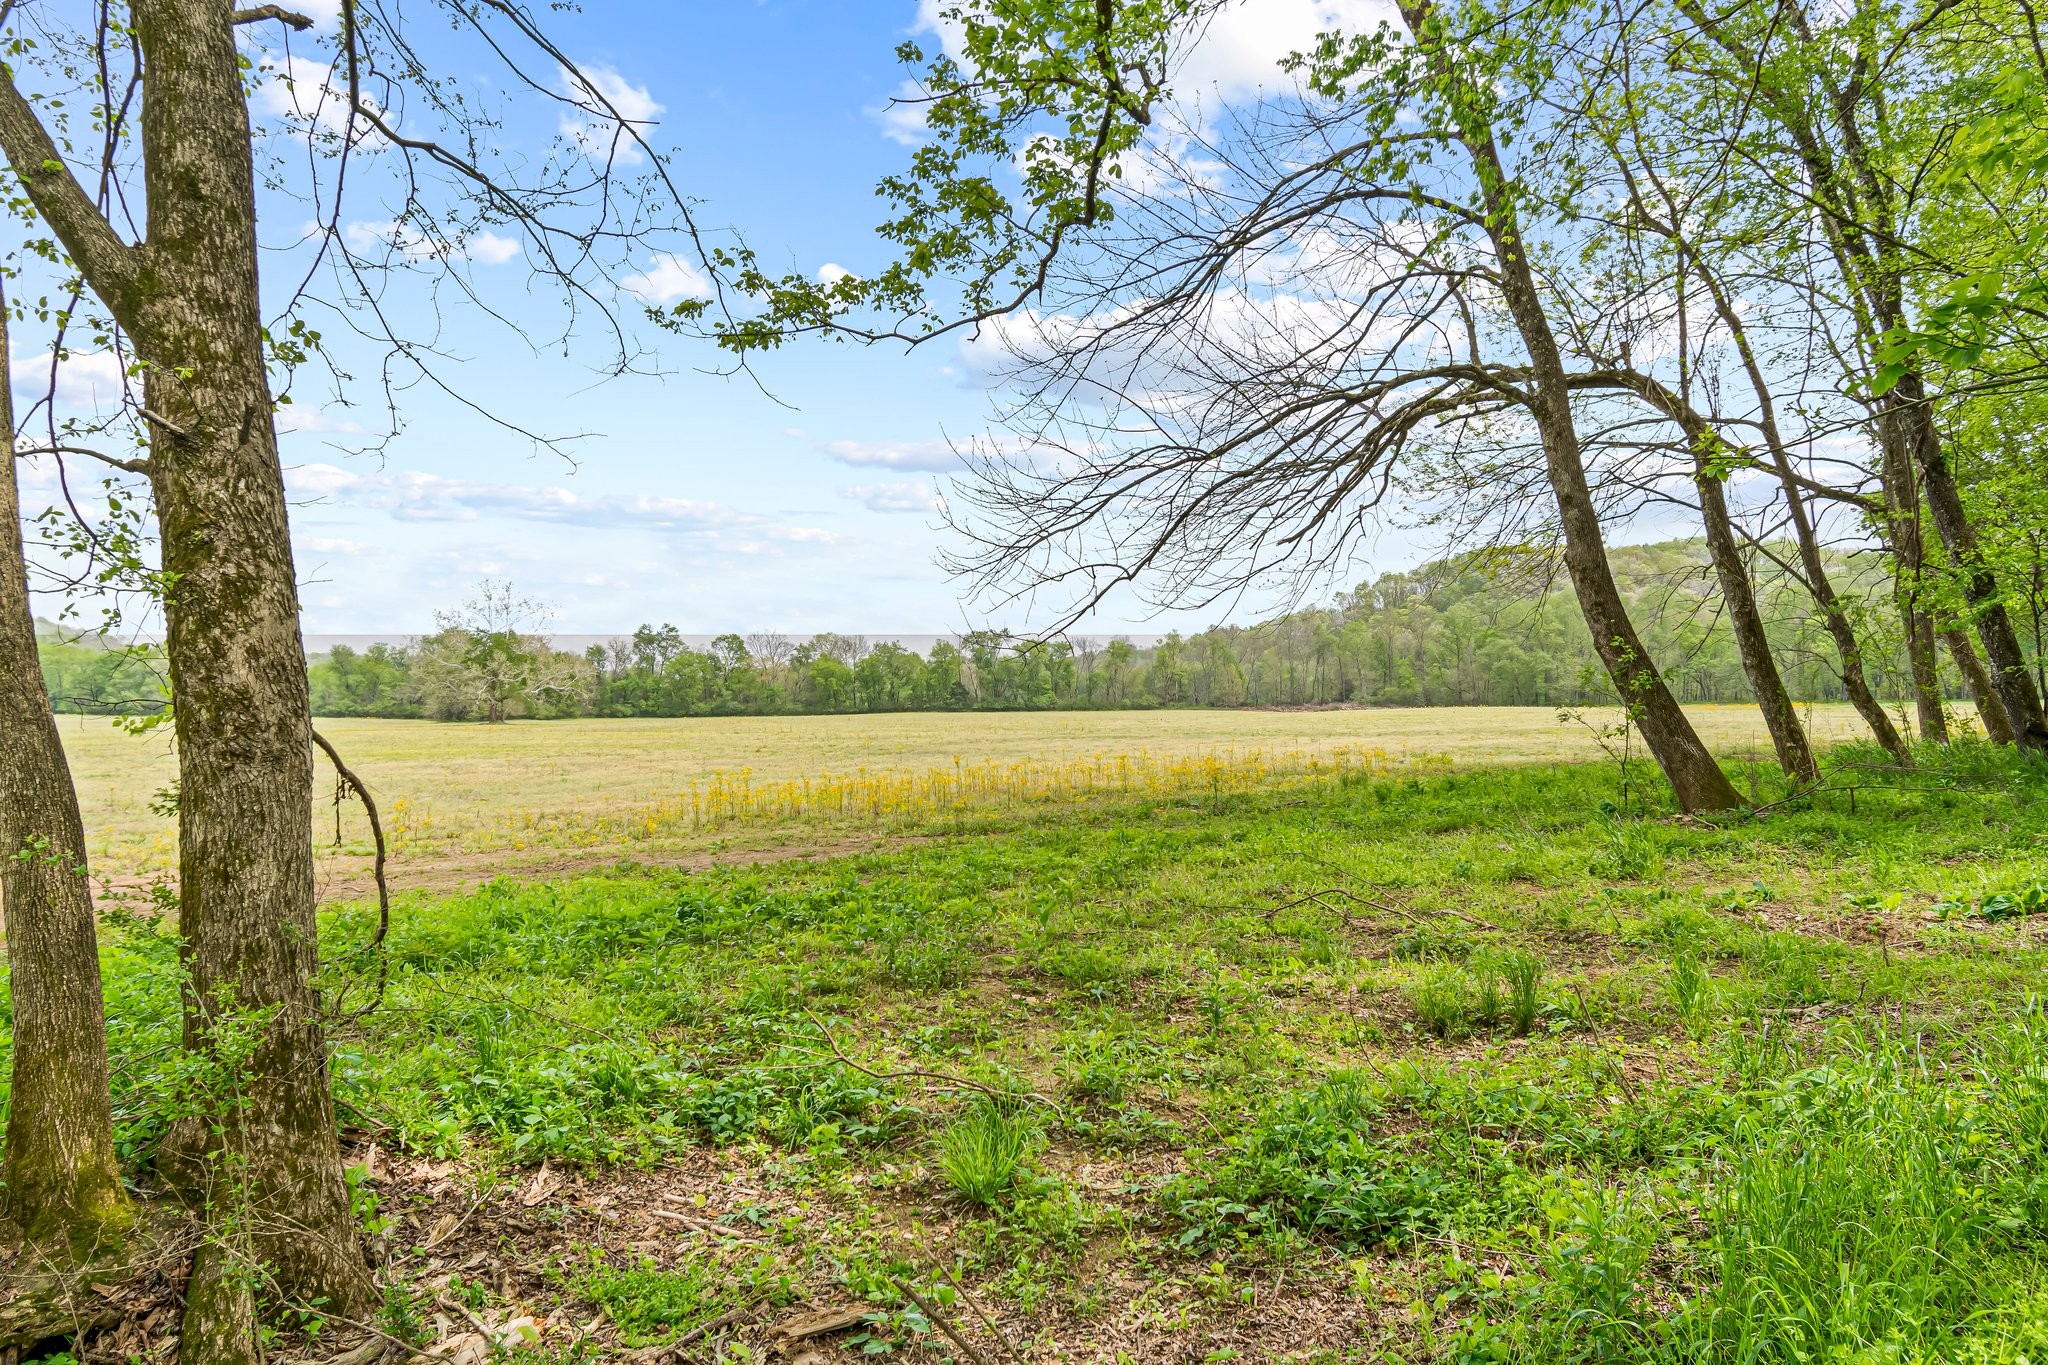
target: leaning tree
1220 347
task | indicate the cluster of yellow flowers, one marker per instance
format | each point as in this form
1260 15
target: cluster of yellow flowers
907 798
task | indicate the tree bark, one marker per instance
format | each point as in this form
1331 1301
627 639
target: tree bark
1696 779
1781 717
63 1185
237 661
1990 710
1909 555
1738 592
2008 662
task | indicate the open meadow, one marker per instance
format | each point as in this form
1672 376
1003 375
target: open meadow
1372 1061
468 802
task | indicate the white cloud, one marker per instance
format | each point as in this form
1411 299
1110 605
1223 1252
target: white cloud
908 495
491 249
602 97
935 457
302 92
412 495
85 379
292 417
1243 46
902 116
831 273
335 545
668 277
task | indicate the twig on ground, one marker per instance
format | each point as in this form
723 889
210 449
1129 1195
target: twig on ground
940 1321
457 1306
993 1330
717 1229
388 1339
942 1077
731 1317
433 1243
501 999
1412 918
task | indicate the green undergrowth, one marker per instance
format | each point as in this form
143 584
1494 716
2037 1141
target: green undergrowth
1569 1082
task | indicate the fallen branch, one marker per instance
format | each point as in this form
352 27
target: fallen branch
385 1339
939 1076
716 1229
731 1317
939 1320
993 1330
1317 898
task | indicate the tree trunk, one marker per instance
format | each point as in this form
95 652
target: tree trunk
1848 649
1871 259
2008 662
1855 682
63 1187
1695 778
1902 516
237 664
1738 593
1990 710
1788 736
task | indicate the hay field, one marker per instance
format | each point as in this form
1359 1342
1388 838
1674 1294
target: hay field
471 801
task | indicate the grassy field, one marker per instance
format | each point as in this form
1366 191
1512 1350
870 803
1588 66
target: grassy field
470 801
1409 1066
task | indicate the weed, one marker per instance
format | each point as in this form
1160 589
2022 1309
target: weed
1691 990
651 1305
1524 975
1440 1002
982 1151
1628 849
1310 1164
1864 1205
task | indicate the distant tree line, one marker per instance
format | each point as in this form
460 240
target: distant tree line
1481 630
91 679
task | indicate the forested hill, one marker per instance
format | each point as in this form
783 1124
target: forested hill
1471 630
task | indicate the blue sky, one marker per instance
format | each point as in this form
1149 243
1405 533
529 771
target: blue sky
697 499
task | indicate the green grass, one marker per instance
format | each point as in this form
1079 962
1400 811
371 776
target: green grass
982 1152
1445 1068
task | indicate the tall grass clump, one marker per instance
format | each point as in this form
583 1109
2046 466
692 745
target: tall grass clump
1523 973
1867 1209
1691 990
982 1151
1441 1001
1450 999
